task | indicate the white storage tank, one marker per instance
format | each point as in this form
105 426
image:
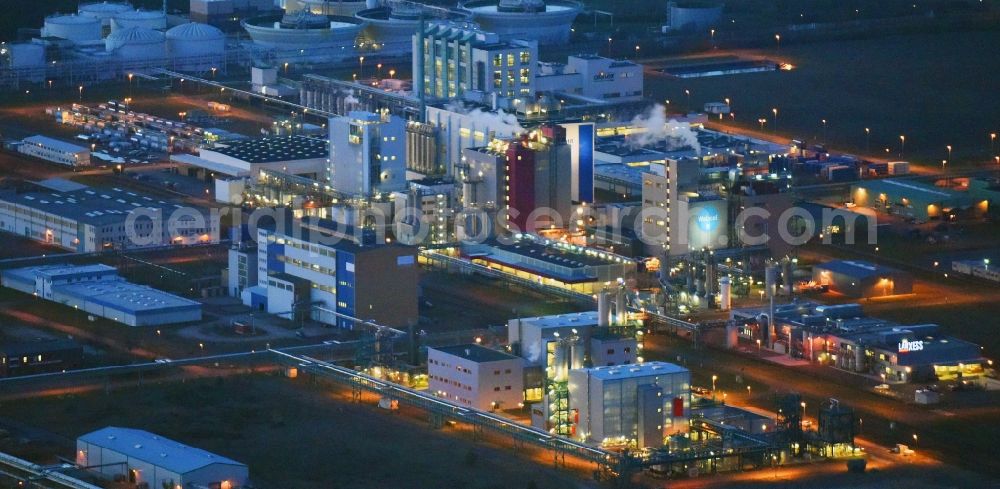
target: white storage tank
103 11
136 43
195 47
150 19
73 27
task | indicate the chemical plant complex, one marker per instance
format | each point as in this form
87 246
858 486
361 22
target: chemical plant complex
491 243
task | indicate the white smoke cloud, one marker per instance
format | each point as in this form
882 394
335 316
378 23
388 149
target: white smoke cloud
351 100
659 129
499 121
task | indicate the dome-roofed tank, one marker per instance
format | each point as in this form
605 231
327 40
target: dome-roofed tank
103 11
136 43
547 22
73 27
195 47
304 36
390 30
327 7
150 19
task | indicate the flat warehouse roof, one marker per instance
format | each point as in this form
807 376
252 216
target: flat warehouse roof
635 370
89 205
476 353
857 269
579 319
154 449
127 297
54 144
274 149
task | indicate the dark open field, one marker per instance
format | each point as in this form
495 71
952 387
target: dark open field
936 89
294 434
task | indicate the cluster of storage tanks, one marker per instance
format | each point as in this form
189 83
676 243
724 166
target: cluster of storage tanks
132 35
387 26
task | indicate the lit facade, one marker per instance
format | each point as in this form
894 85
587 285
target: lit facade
476 376
367 154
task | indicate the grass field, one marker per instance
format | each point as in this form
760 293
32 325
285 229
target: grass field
935 89
294 434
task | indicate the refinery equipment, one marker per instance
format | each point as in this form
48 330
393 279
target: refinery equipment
547 22
136 43
328 7
72 27
103 11
150 19
304 36
389 29
196 47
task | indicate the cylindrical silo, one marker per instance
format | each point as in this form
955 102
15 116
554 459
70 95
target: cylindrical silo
771 278
136 43
103 11
603 309
150 19
725 293
787 271
196 47
72 27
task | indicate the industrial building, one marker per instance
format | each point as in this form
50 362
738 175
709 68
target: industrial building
689 15
425 213
476 376
557 264
539 176
294 155
451 59
461 126
919 201
36 357
308 272
85 219
594 77
642 403
54 150
676 216
99 290
862 279
367 154
843 337
145 459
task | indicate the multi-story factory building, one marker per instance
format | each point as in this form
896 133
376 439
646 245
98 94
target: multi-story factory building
476 376
305 272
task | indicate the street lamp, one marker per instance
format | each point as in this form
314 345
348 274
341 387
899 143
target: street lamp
868 140
81 93
687 93
711 34
943 163
902 144
993 140
762 121
949 152
775 112
130 84
748 392
286 67
777 38
714 378
361 64
803 404
823 121
213 72
392 73
379 70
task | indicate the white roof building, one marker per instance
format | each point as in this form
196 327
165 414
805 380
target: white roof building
144 457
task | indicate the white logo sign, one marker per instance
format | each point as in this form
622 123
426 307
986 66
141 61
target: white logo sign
908 346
